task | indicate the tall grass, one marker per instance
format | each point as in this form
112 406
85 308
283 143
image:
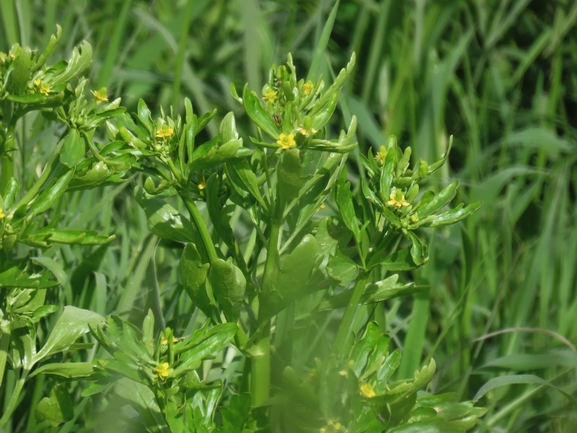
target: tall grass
497 75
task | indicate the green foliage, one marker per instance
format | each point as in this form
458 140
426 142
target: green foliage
116 208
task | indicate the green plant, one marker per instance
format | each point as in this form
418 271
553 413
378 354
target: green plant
293 266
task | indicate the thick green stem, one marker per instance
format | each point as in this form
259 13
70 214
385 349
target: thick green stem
5 335
201 227
7 161
13 400
350 313
260 361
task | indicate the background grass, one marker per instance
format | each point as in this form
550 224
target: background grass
498 75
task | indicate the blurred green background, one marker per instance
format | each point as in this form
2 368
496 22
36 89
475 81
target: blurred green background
500 76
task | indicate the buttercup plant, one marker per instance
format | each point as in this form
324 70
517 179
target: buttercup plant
296 267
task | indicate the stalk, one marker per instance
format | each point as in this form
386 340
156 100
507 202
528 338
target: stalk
8 160
5 334
260 361
350 312
13 400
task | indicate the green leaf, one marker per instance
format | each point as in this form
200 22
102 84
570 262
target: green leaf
438 201
400 260
79 61
49 196
259 115
389 288
245 179
145 116
455 215
57 408
342 269
48 235
290 178
295 278
203 160
73 150
193 273
346 206
20 75
143 400
165 221
73 323
228 285
192 358
228 130
419 252
362 349
235 415
66 370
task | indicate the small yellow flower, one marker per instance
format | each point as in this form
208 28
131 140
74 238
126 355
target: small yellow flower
2 214
331 427
270 96
321 207
367 390
286 141
397 199
162 370
307 132
42 87
415 218
308 88
165 132
164 340
100 95
202 184
381 155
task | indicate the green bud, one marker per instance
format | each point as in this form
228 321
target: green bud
149 186
423 169
281 72
391 142
412 193
308 123
287 90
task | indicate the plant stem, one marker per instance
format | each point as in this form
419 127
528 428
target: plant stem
13 400
5 334
201 227
260 362
350 312
7 159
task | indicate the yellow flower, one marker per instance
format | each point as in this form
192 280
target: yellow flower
164 132
202 184
397 199
306 132
100 95
270 96
164 341
42 87
415 218
331 427
2 215
308 88
367 390
286 141
321 207
381 155
162 370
